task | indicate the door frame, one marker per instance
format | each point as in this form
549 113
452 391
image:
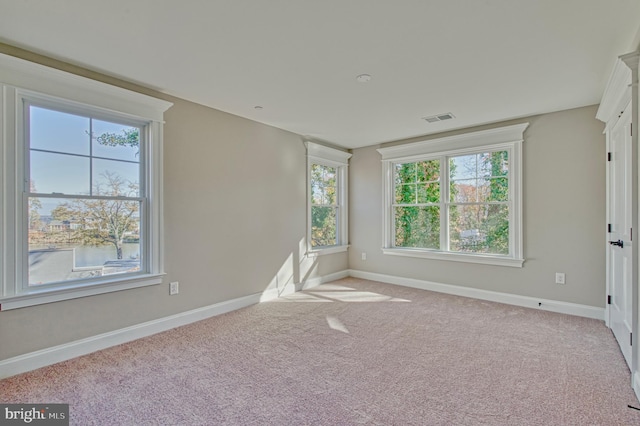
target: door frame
621 90
612 222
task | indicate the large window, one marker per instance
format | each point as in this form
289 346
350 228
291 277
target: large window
327 199
82 188
85 196
456 198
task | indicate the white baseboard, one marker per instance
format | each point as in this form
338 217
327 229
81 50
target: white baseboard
274 293
42 358
636 384
493 296
31 361
314 282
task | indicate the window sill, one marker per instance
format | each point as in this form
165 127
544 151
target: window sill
49 295
327 250
456 257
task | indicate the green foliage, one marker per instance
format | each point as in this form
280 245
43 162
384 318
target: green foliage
483 225
129 138
417 215
323 205
478 217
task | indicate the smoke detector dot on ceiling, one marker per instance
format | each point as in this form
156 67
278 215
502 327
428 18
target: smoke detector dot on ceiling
363 78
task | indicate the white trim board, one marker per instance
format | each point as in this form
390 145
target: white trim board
636 384
314 282
48 356
493 296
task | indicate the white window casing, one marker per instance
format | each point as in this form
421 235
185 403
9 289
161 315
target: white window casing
509 138
331 157
23 81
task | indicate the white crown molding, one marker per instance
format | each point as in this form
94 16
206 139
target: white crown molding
500 135
617 93
61 84
317 151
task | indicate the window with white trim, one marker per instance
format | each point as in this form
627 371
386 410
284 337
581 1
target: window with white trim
456 198
327 200
82 189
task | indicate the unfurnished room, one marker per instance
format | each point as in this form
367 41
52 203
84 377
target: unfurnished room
319 212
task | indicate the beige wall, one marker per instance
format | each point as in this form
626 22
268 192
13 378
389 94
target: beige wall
235 216
564 216
235 219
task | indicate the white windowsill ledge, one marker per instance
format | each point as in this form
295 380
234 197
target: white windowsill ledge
48 295
326 250
456 257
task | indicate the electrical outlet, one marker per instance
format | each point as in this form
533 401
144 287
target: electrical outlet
174 288
364 256
560 278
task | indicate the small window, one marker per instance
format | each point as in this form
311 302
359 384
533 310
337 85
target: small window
456 198
327 177
324 205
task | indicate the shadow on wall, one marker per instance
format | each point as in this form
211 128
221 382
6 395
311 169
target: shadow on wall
294 273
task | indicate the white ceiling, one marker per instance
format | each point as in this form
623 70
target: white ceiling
482 60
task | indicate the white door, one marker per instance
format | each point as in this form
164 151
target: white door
620 244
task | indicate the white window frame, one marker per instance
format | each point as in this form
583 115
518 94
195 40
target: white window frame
22 81
331 157
508 138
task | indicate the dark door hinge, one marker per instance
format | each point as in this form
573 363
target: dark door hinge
608 227
608 156
609 300
630 339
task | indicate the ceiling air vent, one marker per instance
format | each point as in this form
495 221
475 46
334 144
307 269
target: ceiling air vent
438 117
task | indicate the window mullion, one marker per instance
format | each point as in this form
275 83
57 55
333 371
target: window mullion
22 210
90 156
444 203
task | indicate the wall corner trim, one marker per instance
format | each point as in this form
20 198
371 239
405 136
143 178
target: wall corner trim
492 296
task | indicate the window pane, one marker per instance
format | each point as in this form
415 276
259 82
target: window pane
115 141
482 228
58 131
323 184
74 239
464 191
429 193
116 178
62 173
405 173
406 193
463 167
496 189
417 182
323 226
417 227
493 164
428 171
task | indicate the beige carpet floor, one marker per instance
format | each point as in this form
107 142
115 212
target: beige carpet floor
351 352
